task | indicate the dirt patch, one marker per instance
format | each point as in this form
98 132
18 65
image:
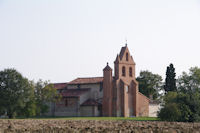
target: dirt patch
104 126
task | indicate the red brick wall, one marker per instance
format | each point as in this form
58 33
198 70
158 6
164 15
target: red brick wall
116 100
122 62
143 105
107 93
134 85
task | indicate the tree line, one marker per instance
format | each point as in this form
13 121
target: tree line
182 101
179 98
20 97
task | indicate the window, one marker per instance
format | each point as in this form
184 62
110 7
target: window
78 86
123 71
101 87
126 87
130 72
126 56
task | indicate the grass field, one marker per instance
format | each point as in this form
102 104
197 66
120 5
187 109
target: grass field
112 118
98 118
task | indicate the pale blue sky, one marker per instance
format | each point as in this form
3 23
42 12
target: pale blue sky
60 40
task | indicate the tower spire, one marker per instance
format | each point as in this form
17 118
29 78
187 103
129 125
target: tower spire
126 42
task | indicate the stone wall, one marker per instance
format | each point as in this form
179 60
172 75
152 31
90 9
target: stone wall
104 126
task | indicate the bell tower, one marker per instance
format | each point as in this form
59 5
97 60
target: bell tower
124 65
120 93
107 91
126 87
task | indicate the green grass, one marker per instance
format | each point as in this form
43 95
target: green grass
97 118
111 118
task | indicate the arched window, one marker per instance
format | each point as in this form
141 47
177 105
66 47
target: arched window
130 72
123 71
126 56
126 87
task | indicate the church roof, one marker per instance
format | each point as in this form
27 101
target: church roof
107 68
122 52
117 59
89 80
59 86
74 92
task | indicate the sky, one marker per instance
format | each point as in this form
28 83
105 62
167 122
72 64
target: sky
60 40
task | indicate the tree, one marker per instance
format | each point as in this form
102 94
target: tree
179 106
45 93
190 81
189 85
170 81
186 101
170 112
21 97
15 92
149 84
30 107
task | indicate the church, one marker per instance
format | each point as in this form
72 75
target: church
110 96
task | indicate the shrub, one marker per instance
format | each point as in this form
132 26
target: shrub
170 112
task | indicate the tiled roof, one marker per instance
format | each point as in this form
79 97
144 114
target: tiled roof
117 59
107 68
74 92
59 86
91 80
122 52
90 102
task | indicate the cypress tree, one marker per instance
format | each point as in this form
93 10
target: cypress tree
170 81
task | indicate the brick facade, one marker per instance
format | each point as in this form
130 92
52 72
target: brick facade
110 95
121 96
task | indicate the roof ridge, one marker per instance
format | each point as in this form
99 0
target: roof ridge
144 96
123 49
60 83
88 77
84 80
80 89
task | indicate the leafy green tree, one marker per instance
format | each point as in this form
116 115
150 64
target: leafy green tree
15 92
44 93
170 81
188 84
149 84
179 106
182 100
184 104
30 108
194 105
170 112
190 81
170 97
